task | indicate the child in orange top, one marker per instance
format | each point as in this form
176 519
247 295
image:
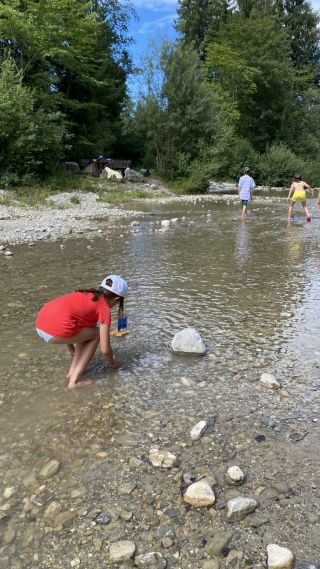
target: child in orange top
73 318
298 191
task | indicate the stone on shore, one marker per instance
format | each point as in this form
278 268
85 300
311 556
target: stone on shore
188 341
198 430
235 475
240 507
162 458
152 560
199 494
121 551
49 470
268 381
279 557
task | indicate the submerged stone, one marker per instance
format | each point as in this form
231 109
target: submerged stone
279 557
188 341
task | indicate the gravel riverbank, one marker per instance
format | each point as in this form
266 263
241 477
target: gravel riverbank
72 214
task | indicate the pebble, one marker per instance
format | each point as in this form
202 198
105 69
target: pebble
52 510
8 536
127 488
218 543
8 253
211 564
199 494
121 551
235 475
269 381
240 507
279 557
104 518
162 458
198 430
152 560
49 470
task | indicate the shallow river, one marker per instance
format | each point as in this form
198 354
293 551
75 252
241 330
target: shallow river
250 288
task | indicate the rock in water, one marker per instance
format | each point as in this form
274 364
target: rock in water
121 551
269 381
235 475
162 458
152 560
279 557
240 507
198 430
49 470
199 494
188 341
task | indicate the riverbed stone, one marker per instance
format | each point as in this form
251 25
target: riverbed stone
211 564
49 470
121 551
240 507
188 341
279 557
235 475
216 544
268 381
198 430
64 518
199 494
8 536
52 510
152 560
162 458
103 519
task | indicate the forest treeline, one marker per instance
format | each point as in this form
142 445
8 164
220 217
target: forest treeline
240 86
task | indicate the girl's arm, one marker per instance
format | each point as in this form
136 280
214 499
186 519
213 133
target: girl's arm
291 190
307 187
105 345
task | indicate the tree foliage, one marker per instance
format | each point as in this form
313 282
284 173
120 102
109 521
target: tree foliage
73 56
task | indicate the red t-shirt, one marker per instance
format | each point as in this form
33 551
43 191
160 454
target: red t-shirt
65 316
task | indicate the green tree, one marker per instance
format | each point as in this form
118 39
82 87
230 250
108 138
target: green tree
32 140
74 55
200 19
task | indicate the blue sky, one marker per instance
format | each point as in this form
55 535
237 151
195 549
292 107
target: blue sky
156 21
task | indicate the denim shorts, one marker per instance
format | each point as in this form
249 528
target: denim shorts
46 337
244 202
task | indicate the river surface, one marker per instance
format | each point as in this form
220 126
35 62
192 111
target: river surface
251 289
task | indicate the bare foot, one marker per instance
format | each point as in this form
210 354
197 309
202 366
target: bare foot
81 383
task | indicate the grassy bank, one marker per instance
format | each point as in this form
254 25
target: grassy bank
109 192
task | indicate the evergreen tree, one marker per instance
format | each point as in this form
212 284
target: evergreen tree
198 19
302 24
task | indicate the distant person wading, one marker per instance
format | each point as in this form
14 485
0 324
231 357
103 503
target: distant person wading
245 190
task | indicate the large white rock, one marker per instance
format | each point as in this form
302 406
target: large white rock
162 458
121 551
199 494
111 174
240 507
152 560
188 341
235 475
197 430
268 381
165 223
279 557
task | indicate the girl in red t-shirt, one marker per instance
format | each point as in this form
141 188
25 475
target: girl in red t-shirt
73 318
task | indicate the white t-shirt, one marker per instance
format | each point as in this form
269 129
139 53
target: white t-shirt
246 185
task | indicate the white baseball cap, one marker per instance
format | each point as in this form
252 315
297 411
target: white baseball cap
118 287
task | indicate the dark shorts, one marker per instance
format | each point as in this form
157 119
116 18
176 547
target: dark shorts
244 202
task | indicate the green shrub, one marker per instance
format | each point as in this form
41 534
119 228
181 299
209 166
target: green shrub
277 165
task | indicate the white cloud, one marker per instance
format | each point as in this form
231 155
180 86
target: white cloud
157 24
154 4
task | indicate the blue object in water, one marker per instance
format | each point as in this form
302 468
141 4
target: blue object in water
122 323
